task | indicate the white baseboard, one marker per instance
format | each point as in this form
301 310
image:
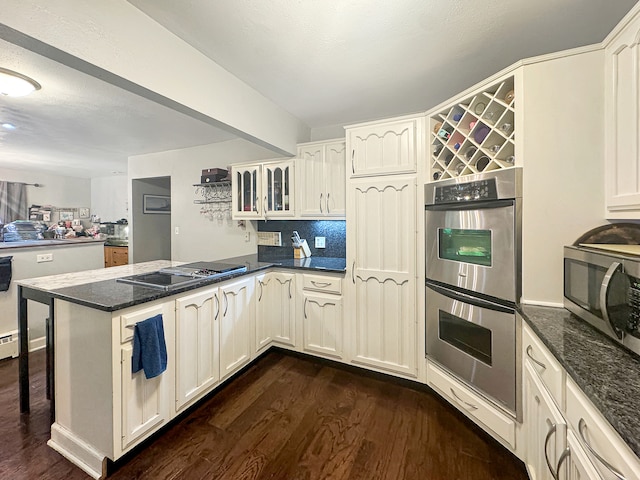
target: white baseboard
78 452
37 344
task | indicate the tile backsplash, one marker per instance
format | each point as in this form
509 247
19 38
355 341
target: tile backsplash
334 232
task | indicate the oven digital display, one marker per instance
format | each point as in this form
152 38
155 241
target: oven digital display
467 192
465 245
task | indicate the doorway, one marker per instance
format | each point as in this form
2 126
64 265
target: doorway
150 232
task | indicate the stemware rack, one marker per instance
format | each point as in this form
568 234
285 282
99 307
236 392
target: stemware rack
475 134
216 199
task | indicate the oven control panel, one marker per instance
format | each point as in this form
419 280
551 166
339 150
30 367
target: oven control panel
480 190
633 299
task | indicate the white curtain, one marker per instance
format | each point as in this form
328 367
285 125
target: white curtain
13 202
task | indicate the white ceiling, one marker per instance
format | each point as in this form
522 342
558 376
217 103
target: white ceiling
335 62
79 126
328 62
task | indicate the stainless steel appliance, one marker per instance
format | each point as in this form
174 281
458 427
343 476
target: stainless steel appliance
473 261
603 289
473 229
177 277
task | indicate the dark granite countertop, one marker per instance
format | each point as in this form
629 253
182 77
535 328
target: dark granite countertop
110 295
49 243
607 373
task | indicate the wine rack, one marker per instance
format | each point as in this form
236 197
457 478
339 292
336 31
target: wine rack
474 135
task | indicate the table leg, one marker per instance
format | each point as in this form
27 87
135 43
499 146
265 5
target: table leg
23 357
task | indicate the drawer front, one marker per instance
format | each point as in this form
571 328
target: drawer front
595 434
323 283
544 364
472 404
128 321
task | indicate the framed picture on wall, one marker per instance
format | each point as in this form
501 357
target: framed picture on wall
66 216
83 212
156 204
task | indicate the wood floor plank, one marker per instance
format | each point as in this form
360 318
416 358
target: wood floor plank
284 418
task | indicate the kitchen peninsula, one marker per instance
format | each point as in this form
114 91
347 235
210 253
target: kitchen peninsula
102 410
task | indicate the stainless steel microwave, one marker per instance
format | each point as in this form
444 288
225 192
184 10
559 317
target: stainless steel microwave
603 289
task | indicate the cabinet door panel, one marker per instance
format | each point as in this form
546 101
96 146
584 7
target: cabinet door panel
545 428
578 465
383 149
197 345
312 183
246 201
236 321
622 98
322 328
335 179
278 189
144 402
275 312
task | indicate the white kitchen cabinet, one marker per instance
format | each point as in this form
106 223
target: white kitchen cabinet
323 330
610 455
497 423
236 321
578 465
382 148
197 351
622 118
321 180
381 251
263 190
275 310
145 402
545 428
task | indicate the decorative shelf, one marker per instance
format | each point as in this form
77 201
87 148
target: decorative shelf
474 135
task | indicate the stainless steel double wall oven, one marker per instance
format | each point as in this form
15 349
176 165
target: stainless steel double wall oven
473 264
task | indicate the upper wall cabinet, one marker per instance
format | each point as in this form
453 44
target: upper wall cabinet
383 149
263 190
321 180
622 110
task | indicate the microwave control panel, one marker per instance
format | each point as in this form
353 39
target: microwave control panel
467 192
633 326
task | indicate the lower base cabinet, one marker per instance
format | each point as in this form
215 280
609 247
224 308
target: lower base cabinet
236 321
116 256
501 426
322 316
275 310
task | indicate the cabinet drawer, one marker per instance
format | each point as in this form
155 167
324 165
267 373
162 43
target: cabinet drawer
322 284
544 364
472 404
594 433
128 321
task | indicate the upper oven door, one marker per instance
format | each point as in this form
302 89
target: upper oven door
472 246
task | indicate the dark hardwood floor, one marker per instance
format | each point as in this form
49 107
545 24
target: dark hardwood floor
284 418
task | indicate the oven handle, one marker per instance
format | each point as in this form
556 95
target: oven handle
604 290
471 300
449 207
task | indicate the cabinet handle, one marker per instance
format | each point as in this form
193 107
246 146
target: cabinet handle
290 282
321 204
353 267
260 285
226 304
327 202
217 306
304 310
537 362
320 284
353 168
563 457
264 206
581 426
470 405
551 431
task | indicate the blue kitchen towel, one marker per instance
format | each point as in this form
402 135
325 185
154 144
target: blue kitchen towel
149 347
5 273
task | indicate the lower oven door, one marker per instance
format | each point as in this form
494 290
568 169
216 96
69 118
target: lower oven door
475 340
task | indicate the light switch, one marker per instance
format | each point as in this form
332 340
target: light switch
320 242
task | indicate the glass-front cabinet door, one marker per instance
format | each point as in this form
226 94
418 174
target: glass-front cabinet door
247 185
277 190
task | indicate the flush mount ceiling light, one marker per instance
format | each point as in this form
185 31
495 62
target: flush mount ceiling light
14 84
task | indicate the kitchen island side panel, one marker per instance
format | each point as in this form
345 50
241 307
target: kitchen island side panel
84 374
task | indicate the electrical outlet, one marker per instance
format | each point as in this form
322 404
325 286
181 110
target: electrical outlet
247 236
44 257
320 242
